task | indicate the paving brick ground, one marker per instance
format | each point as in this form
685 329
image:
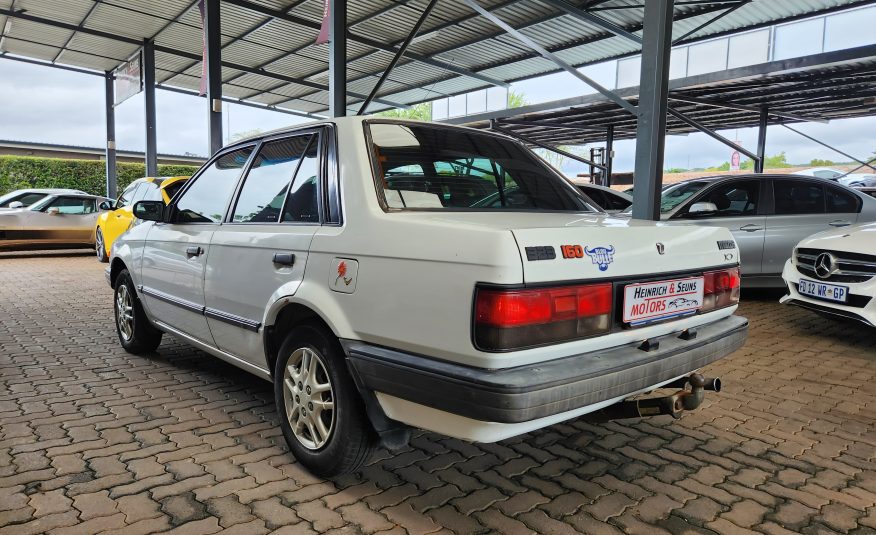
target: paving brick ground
93 440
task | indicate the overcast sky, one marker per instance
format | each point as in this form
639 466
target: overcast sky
55 106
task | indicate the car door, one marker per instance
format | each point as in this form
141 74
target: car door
739 209
66 219
800 209
120 219
175 252
264 244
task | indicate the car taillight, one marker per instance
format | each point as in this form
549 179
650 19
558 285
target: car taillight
514 319
720 289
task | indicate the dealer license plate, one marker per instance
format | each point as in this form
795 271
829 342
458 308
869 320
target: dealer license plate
656 301
821 290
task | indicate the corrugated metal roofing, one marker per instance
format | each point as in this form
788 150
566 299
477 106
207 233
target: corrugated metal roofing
277 50
832 85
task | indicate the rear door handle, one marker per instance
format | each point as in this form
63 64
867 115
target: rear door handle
284 259
751 228
194 251
840 223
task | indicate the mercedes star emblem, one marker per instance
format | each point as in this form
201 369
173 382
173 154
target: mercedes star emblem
825 265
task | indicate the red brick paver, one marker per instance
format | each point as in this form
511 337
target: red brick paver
95 440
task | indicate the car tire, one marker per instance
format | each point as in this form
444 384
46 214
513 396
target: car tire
311 357
136 333
100 247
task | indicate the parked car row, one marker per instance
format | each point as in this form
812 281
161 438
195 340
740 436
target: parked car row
64 218
388 275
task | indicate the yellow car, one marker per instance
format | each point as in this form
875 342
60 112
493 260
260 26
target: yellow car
118 217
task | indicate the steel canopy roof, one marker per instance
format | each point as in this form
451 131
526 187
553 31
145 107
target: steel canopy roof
269 56
831 85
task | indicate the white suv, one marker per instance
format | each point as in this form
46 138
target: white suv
366 267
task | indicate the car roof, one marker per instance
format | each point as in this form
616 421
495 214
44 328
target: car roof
760 176
355 121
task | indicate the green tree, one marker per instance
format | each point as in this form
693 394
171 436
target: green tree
420 112
818 162
516 99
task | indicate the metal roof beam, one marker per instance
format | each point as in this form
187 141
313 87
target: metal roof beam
365 41
72 34
181 53
611 95
3 55
401 51
550 124
711 133
710 21
551 148
595 20
241 102
823 144
742 107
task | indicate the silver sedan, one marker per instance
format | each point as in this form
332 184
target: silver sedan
56 221
767 214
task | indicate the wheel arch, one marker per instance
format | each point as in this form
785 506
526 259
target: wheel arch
285 317
116 267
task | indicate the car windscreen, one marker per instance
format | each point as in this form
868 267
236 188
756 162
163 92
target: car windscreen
421 166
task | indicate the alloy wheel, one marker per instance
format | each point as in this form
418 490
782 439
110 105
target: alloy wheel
125 312
309 398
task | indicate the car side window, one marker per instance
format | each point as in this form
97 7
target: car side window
207 197
140 192
126 196
826 174
736 198
151 192
840 202
616 202
303 202
264 190
798 197
73 205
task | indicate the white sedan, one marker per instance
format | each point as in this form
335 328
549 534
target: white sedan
834 273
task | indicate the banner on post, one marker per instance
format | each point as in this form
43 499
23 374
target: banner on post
323 36
128 79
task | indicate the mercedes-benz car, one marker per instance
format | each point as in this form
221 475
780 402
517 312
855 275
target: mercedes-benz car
353 263
834 274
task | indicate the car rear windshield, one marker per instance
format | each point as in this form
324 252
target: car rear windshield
421 166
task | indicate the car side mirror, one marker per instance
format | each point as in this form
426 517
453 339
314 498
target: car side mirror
105 205
702 208
16 204
149 210
54 210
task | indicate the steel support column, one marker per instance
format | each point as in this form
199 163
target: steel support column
337 58
761 140
110 112
609 154
213 41
653 94
149 101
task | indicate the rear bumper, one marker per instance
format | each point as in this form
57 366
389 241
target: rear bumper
540 390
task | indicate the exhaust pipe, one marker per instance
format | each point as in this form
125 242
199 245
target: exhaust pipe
673 405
